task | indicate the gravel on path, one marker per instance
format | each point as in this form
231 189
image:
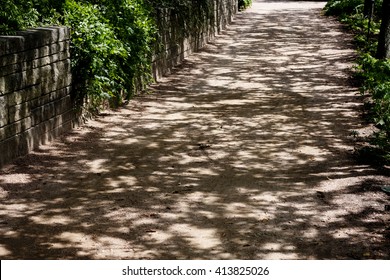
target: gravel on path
244 152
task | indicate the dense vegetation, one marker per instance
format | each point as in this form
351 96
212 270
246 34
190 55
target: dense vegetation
372 70
112 40
243 4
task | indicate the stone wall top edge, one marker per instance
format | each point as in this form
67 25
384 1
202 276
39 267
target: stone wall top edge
33 38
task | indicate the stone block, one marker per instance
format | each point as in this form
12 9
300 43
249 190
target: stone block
35 84
65 46
60 93
12 44
26 142
15 128
23 95
36 37
39 101
12 82
18 145
59 47
31 77
13 68
65 56
55 58
53 127
58 77
44 51
2 86
18 112
63 105
8 59
3 46
3 111
8 149
51 110
40 62
14 98
52 34
42 113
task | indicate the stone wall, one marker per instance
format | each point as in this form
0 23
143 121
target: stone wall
35 75
175 43
35 80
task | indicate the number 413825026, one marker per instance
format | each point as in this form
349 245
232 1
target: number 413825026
231 270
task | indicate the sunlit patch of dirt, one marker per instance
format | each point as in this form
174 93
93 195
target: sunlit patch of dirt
244 152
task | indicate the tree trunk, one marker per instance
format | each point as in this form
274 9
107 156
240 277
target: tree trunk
383 50
367 8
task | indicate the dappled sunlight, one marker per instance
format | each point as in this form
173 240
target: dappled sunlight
244 152
202 239
50 218
4 253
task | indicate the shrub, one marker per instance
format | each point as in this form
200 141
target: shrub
95 53
112 40
111 48
374 74
243 4
344 7
111 44
17 15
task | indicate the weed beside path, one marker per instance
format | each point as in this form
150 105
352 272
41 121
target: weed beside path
245 152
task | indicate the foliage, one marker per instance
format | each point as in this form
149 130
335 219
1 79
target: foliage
361 26
17 15
345 8
373 74
110 48
95 52
243 4
112 40
190 15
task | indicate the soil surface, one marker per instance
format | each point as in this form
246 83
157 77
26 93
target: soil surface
244 152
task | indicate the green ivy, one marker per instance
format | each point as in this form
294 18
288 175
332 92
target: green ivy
190 15
243 4
111 45
373 74
112 41
345 8
96 51
17 15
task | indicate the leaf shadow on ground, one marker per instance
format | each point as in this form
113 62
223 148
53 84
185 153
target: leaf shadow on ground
243 153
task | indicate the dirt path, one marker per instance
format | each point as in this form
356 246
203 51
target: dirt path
244 152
